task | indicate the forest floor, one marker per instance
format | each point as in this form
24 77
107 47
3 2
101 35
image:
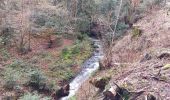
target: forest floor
55 66
142 62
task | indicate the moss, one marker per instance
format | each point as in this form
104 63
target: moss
136 32
66 54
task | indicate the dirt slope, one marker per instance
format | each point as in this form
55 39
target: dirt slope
138 60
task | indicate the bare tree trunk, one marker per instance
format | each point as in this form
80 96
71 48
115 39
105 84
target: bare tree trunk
21 32
29 41
108 55
29 31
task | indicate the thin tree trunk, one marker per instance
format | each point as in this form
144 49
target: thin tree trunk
117 19
108 54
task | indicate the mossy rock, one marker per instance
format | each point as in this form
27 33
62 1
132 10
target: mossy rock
136 32
166 67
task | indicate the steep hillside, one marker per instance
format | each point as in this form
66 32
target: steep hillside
49 48
141 60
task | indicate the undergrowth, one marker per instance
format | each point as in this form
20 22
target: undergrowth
69 58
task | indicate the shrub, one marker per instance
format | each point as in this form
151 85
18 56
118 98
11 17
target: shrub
16 71
67 75
76 50
120 31
49 18
30 96
136 32
6 35
83 25
35 96
66 53
72 56
17 64
61 72
40 19
4 53
37 80
22 67
81 36
11 77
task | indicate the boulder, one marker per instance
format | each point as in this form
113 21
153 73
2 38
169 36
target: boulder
150 97
62 92
100 83
120 93
108 95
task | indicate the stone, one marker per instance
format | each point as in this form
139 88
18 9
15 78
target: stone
167 66
108 95
164 55
150 97
120 93
146 57
100 83
62 92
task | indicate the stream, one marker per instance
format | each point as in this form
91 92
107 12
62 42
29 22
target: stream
88 67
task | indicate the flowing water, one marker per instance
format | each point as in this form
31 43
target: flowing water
88 67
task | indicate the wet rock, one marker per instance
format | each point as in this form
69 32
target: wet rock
150 97
100 83
64 91
122 93
101 65
96 46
